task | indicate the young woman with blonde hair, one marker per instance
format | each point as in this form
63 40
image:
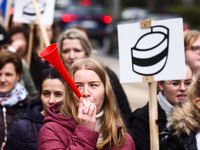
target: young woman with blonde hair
184 124
97 124
73 44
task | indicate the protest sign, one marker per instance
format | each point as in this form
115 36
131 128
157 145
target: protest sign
156 51
151 51
26 12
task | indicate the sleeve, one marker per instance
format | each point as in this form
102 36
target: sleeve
122 100
170 142
16 138
49 138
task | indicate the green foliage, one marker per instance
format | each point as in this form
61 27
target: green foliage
190 15
134 3
144 3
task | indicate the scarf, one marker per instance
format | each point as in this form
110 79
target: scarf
198 140
165 105
97 125
19 93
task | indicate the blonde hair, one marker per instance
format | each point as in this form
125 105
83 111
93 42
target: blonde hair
190 36
111 119
74 33
185 118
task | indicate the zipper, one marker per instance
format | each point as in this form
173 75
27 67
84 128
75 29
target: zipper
5 123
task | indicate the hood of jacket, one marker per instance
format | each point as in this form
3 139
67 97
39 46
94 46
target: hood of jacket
53 115
185 119
33 111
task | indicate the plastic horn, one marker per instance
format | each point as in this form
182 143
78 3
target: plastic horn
50 53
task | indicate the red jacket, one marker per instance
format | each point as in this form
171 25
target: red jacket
64 133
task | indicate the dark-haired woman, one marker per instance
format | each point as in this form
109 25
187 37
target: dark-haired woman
23 134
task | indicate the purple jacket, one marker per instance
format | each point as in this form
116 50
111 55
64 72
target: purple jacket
60 132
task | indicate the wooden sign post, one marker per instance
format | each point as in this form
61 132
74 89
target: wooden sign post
153 106
42 28
153 112
41 25
30 45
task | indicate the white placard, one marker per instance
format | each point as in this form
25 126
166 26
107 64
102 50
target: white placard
156 51
25 12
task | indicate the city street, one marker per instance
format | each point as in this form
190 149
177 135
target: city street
137 93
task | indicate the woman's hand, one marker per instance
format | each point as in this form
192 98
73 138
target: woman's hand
87 114
2 145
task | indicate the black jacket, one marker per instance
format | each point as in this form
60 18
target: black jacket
140 126
171 142
183 125
12 115
122 100
23 135
37 65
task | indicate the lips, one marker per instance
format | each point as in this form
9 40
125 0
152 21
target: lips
181 96
71 62
2 85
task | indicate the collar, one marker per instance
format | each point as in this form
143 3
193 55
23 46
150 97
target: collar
164 104
19 93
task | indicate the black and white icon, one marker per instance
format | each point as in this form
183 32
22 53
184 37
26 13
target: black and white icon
149 58
29 11
156 51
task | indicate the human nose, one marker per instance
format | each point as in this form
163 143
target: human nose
2 78
51 100
182 86
86 92
71 54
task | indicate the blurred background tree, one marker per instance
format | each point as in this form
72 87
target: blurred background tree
189 10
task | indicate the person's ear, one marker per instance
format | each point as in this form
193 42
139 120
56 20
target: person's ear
197 102
160 85
18 77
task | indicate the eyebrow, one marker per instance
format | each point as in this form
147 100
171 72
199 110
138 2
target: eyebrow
89 82
44 90
58 92
183 80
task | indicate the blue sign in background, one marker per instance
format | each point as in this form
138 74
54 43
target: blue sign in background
3 7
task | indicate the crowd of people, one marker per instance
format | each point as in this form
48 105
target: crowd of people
38 110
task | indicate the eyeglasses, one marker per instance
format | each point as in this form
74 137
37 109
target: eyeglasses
176 85
195 49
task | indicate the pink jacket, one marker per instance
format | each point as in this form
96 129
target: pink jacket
64 133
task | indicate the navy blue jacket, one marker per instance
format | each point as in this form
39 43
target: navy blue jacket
22 135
